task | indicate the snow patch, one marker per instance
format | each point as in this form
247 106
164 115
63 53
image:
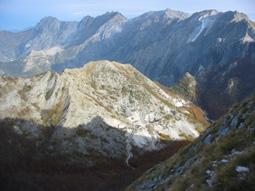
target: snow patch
232 84
206 22
202 27
28 45
247 38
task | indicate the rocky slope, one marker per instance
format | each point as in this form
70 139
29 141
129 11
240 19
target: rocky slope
212 46
222 158
188 87
103 109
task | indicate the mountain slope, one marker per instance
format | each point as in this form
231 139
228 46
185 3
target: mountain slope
212 46
188 87
222 158
50 37
103 109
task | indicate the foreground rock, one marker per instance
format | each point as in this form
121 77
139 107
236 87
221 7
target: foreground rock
222 158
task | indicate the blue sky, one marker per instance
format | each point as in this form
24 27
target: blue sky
20 14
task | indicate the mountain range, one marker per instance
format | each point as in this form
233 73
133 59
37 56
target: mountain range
162 101
212 46
101 126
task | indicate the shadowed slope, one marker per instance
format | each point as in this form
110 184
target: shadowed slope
37 164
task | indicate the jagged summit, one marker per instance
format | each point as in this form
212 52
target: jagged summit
48 21
85 19
105 18
206 17
115 14
238 16
165 14
101 65
112 16
178 14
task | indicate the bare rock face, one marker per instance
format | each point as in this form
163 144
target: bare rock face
102 109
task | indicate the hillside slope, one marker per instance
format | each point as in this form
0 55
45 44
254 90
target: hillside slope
222 158
103 109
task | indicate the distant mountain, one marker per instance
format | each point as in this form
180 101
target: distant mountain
104 109
222 158
35 51
217 48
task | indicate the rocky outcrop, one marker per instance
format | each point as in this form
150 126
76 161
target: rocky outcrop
188 87
102 109
222 158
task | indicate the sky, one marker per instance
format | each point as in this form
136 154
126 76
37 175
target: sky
21 14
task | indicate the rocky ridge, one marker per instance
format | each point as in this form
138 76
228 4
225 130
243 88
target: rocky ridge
164 45
102 109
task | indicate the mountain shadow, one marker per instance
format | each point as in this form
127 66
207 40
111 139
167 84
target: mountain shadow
34 160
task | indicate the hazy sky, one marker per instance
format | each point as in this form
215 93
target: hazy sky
20 14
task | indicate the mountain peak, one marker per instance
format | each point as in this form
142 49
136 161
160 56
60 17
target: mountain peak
238 16
47 23
100 66
206 13
48 19
187 75
114 14
175 14
210 11
86 18
102 63
116 93
167 13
